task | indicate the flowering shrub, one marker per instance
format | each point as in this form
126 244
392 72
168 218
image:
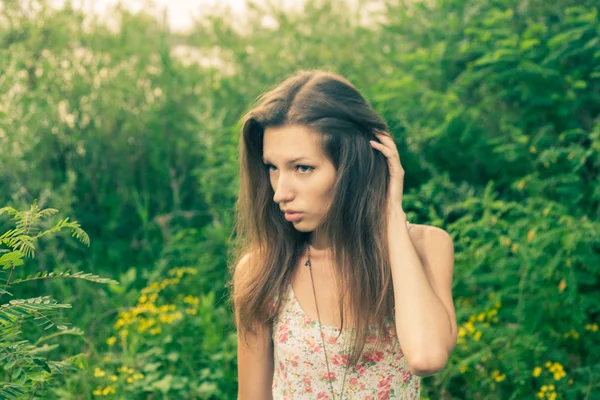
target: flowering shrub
168 343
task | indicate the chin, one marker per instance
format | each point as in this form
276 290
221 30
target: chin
301 227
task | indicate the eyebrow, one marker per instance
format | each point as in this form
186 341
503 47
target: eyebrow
295 160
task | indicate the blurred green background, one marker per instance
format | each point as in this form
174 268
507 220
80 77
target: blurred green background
132 129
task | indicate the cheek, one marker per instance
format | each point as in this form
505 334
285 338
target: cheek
272 181
325 197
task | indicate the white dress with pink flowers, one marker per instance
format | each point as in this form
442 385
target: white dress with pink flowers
301 371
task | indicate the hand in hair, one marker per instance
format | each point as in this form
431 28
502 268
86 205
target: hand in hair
396 184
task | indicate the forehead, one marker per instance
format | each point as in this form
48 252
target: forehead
287 142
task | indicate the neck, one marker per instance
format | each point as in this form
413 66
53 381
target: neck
323 257
319 242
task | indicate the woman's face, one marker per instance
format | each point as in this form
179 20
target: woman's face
301 175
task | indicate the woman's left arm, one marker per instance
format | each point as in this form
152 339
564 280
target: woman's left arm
421 275
422 281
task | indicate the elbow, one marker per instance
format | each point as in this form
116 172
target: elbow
430 365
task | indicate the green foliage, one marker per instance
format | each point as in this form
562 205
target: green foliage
134 130
27 370
148 352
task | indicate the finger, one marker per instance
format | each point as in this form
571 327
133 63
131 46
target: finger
387 140
392 157
389 153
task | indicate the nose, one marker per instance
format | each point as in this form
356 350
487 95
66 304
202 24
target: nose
283 191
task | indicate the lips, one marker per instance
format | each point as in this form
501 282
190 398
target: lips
293 216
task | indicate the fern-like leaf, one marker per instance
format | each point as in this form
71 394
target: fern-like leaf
9 211
47 212
36 307
66 275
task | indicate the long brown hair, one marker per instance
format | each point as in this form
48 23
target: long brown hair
355 225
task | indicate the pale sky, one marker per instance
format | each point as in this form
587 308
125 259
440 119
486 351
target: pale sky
181 13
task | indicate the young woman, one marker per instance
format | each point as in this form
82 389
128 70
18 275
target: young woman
336 295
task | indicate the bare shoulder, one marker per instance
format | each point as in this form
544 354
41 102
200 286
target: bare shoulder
435 248
241 270
429 237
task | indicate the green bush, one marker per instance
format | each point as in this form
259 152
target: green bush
494 105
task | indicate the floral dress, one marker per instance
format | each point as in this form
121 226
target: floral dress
301 371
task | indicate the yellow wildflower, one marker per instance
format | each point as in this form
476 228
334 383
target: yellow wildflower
108 390
111 340
163 308
562 285
469 327
537 371
98 373
155 331
191 300
499 377
572 333
591 327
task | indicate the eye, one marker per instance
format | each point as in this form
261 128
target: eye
268 167
307 169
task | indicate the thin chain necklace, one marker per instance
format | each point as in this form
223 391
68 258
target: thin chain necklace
309 265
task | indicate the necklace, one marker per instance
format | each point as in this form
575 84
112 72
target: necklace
309 265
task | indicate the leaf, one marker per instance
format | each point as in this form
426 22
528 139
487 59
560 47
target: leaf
42 363
66 275
12 259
